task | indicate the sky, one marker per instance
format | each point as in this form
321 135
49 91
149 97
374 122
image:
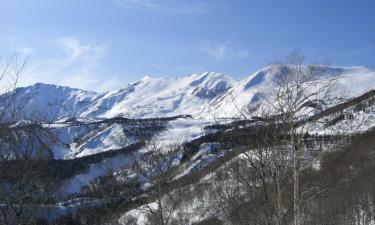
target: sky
103 45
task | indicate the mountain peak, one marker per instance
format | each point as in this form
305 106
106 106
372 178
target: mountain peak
147 77
49 87
352 80
39 85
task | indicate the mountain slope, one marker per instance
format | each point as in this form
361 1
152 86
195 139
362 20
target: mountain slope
161 97
350 82
50 102
149 97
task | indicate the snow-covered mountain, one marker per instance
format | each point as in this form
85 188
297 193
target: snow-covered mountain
51 102
207 95
149 97
161 97
77 115
349 82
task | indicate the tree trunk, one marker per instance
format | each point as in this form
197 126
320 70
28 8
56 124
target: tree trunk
295 189
296 200
279 196
266 198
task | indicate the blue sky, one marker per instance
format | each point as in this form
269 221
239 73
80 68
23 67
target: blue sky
103 45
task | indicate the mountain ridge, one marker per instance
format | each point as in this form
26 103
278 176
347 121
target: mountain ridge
206 95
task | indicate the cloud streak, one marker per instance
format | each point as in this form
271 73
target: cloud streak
221 50
72 64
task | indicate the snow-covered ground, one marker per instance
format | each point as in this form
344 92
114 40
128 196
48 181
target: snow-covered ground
182 130
96 170
178 132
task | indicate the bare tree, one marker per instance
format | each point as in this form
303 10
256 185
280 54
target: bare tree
297 93
156 171
269 160
11 69
22 180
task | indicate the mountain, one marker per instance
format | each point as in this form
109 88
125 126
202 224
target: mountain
161 97
95 142
149 97
81 120
85 123
349 82
206 95
51 102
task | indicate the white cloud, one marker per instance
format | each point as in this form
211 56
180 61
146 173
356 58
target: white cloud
222 50
17 47
25 51
166 6
71 64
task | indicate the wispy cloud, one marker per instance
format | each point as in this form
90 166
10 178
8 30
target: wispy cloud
222 50
25 50
166 6
72 64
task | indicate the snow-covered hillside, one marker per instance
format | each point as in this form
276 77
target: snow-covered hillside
350 82
161 97
50 102
149 97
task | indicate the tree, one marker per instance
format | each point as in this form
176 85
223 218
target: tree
269 160
252 187
155 171
10 70
297 93
23 183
